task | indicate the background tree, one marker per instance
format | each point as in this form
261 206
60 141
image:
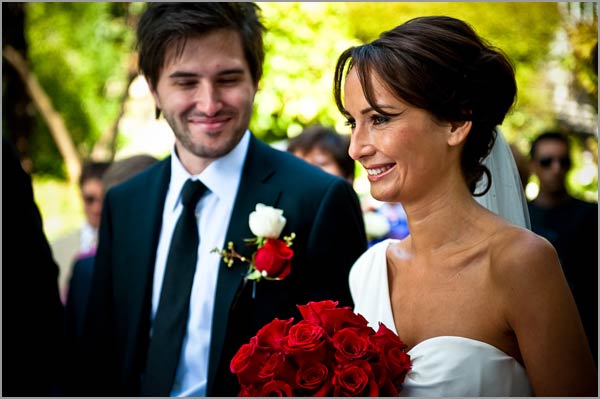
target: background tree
84 59
581 26
524 31
302 43
17 118
81 54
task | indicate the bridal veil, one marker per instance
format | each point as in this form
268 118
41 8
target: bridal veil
505 197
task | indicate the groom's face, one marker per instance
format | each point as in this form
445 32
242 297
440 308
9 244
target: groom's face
206 94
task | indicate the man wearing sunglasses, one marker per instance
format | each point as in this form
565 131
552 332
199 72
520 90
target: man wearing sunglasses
571 225
81 243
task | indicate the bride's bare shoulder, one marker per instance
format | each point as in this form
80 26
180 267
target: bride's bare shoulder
518 252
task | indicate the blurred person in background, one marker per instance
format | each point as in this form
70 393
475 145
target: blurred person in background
80 280
81 276
385 214
324 147
570 224
32 314
82 242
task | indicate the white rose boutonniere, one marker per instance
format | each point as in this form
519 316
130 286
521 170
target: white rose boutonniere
272 259
266 221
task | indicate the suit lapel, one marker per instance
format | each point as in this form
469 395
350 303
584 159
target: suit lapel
253 189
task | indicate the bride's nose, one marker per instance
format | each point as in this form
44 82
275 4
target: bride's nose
360 145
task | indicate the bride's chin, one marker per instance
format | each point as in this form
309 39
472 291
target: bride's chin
382 196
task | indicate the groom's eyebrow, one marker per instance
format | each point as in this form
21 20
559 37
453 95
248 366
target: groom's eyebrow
182 74
185 74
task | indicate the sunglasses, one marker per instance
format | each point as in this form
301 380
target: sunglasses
546 162
90 199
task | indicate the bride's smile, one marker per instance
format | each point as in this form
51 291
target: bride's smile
377 172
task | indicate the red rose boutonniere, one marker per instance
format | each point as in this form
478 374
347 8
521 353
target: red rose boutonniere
272 259
331 352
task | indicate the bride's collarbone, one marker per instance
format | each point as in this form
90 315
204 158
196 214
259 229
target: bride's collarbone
432 304
445 296
458 252
438 268
452 297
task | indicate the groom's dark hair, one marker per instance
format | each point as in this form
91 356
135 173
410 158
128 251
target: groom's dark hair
164 25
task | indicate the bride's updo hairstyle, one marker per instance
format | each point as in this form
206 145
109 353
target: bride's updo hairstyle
439 64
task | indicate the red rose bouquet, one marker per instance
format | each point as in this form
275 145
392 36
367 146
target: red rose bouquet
331 352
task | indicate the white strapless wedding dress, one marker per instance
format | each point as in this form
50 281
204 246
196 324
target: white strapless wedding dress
441 366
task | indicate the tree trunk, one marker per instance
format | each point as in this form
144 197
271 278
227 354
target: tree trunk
106 147
55 123
17 105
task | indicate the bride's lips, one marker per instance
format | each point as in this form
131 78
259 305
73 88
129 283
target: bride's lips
379 171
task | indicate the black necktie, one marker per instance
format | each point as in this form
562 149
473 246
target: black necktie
170 323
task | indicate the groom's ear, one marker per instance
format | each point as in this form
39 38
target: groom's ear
458 132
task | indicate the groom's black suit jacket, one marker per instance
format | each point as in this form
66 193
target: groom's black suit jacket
321 209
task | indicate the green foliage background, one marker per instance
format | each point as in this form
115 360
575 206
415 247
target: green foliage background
305 39
79 53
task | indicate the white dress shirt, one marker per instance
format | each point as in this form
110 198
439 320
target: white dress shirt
222 178
88 238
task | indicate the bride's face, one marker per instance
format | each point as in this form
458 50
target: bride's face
405 154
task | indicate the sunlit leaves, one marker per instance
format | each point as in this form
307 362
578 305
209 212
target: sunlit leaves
79 52
302 43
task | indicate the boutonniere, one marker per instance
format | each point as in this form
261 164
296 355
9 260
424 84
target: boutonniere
272 259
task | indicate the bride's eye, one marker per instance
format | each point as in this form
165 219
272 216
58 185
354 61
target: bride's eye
379 119
350 122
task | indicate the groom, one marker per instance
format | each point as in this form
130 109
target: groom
203 63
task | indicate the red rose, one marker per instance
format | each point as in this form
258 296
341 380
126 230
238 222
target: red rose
315 379
306 342
248 391
311 312
386 339
276 388
274 258
354 379
398 362
392 352
272 334
277 366
352 344
386 386
246 362
338 318
331 318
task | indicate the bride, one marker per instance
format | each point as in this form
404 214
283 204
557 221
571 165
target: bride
481 303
